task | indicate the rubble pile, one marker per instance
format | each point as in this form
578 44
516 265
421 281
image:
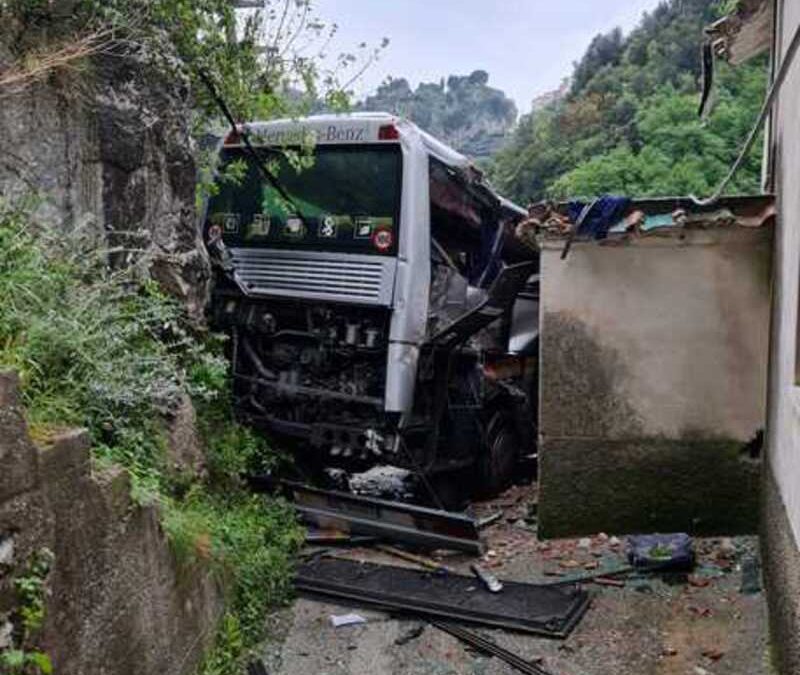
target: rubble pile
622 217
692 597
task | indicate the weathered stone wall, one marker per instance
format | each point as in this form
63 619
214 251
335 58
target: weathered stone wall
118 602
107 146
653 382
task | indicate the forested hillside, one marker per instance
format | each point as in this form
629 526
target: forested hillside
629 122
464 111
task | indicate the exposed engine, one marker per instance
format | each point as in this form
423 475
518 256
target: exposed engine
313 371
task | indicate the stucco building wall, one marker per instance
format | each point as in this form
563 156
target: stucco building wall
653 381
782 499
784 418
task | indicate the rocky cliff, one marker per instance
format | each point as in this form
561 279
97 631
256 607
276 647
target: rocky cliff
107 146
464 111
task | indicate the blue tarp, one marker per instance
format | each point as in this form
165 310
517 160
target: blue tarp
604 213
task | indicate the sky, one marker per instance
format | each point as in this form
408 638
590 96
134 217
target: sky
526 46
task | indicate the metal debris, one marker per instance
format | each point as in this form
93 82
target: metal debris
551 611
489 580
411 634
384 519
488 647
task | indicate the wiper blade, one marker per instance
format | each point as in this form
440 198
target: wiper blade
243 133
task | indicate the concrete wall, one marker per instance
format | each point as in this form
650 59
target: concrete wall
117 602
653 380
782 526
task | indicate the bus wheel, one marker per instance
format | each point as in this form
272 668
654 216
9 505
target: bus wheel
497 462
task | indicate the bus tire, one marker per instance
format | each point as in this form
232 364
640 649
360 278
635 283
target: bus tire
497 462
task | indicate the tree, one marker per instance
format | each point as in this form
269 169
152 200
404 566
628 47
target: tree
265 62
630 124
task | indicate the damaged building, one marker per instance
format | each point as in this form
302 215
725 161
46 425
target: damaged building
653 370
670 350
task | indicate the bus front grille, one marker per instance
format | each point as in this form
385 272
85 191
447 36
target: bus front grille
362 279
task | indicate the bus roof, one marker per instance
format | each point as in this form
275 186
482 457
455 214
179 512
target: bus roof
357 127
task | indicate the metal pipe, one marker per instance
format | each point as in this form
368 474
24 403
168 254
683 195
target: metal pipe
251 354
489 647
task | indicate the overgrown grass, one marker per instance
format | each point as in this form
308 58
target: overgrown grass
249 542
96 347
21 658
107 350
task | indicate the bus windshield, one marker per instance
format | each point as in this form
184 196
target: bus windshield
349 200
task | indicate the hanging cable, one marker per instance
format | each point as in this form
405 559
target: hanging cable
245 136
774 89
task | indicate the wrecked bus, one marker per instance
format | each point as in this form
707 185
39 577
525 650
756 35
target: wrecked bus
379 307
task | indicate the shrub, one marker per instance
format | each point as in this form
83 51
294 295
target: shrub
106 349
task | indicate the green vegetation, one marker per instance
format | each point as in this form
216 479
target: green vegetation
245 542
104 349
629 123
464 111
30 591
265 64
96 347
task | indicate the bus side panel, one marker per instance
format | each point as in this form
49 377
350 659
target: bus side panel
412 282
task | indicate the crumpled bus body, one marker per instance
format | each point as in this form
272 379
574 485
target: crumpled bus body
338 305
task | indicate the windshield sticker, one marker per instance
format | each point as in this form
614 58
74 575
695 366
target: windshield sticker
260 225
327 227
363 228
382 238
229 222
293 228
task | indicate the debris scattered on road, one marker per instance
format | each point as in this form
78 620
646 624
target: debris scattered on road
751 575
713 654
411 634
488 647
697 581
385 482
607 581
598 562
338 620
395 521
489 580
332 537
488 520
550 610
427 563
727 549
661 551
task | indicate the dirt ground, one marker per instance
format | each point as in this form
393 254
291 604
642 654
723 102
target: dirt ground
700 624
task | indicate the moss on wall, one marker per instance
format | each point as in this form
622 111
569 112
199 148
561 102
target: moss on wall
702 486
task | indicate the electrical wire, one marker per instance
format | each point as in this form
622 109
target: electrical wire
245 136
774 89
